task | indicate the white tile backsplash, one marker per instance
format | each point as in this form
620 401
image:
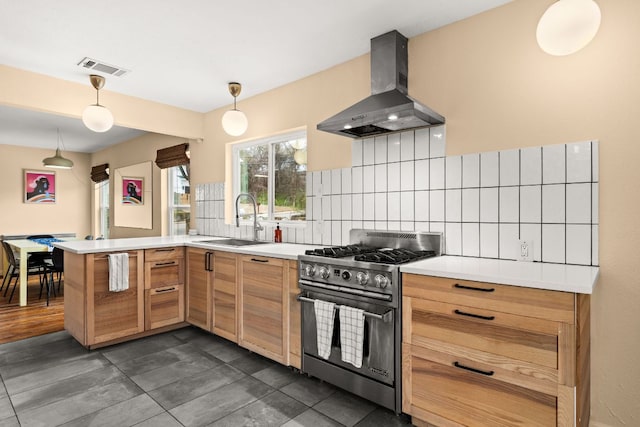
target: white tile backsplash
421 174
578 204
579 162
531 166
436 173
509 167
553 164
407 176
380 143
489 169
471 170
393 148
407 146
453 172
548 195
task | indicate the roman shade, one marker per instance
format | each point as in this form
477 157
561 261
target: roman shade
100 173
173 156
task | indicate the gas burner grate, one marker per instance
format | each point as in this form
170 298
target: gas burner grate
341 251
394 256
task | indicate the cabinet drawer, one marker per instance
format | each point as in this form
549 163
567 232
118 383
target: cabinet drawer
456 393
536 303
160 274
162 254
164 306
500 334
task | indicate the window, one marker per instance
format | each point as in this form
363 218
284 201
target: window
274 170
103 209
179 201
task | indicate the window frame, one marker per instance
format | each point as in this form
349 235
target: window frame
171 206
104 205
235 175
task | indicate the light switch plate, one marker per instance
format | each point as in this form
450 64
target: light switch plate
525 250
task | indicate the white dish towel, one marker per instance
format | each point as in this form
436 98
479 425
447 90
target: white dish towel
325 312
118 272
351 334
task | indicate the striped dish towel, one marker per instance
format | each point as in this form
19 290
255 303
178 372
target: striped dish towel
351 334
325 312
118 272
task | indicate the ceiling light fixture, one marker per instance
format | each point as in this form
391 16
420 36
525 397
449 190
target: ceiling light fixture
97 117
57 161
234 122
567 26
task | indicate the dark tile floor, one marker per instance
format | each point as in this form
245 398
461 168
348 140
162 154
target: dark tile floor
185 377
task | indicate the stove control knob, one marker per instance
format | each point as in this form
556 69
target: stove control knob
309 270
324 272
362 278
346 275
381 281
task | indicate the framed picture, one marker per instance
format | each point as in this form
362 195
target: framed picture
39 186
132 191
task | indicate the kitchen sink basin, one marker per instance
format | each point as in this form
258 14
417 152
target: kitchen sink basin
234 242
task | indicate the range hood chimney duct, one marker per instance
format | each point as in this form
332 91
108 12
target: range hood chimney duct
389 108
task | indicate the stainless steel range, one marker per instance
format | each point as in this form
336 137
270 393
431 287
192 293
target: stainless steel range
363 275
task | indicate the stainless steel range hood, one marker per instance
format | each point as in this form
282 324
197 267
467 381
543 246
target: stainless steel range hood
389 108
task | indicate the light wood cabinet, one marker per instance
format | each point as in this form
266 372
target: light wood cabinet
225 319
264 302
295 341
93 314
199 284
211 292
484 354
164 286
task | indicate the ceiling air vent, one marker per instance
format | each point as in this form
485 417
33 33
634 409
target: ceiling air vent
94 64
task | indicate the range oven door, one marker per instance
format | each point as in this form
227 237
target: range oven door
378 355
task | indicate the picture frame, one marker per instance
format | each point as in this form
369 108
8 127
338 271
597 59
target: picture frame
132 190
39 186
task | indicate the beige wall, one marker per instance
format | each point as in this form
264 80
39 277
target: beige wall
497 90
73 191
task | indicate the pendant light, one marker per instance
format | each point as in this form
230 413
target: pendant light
97 117
234 122
57 161
567 26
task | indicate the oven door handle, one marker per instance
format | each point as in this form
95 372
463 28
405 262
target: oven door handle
351 291
386 317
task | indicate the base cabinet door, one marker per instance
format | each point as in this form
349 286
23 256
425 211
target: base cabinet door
225 285
199 280
113 315
264 306
164 306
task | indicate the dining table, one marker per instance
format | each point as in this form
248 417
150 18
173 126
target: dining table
24 247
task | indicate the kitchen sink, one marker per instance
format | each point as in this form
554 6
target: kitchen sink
233 242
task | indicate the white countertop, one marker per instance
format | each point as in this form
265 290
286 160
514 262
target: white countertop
276 250
555 277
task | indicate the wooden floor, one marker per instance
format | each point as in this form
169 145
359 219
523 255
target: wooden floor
36 318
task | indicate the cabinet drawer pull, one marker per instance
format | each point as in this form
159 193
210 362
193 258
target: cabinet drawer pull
471 288
477 371
159 291
259 260
164 264
477 316
165 250
207 261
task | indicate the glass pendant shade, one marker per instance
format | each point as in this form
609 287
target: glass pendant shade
567 26
234 122
300 156
57 161
97 118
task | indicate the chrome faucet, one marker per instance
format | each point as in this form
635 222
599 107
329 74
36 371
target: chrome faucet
256 225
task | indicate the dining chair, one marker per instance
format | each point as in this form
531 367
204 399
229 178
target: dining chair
13 271
55 266
40 259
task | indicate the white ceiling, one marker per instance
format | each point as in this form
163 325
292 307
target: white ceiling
183 53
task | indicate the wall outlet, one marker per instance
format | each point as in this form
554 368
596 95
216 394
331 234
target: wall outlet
525 250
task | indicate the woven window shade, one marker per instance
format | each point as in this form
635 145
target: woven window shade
100 173
172 156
